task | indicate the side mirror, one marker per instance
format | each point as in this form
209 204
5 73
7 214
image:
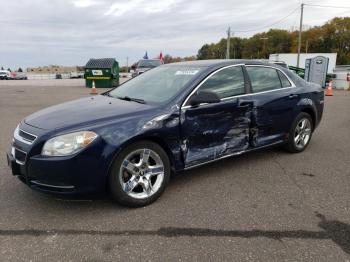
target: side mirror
202 97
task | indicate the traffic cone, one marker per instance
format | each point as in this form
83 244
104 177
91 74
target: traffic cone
329 90
93 88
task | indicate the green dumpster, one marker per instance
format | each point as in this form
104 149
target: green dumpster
104 71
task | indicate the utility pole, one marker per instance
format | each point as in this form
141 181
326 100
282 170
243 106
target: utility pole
127 64
228 43
264 46
300 29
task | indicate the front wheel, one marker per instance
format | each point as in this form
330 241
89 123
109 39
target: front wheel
139 174
300 133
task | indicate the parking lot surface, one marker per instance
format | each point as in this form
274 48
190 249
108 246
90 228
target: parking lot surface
262 206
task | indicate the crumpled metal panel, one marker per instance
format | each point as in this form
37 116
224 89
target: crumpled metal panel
209 133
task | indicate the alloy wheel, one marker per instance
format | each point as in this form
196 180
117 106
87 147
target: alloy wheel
141 173
302 133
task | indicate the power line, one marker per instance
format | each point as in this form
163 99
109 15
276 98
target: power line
266 26
284 18
329 6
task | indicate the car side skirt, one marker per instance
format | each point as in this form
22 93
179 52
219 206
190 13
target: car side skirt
236 154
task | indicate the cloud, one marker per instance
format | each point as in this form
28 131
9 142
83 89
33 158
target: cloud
142 6
121 8
41 32
84 3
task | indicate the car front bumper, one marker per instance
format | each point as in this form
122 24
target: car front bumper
19 171
82 173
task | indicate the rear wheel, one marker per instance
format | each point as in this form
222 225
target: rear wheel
300 133
140 174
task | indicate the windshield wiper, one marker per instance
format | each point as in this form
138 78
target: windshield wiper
137 100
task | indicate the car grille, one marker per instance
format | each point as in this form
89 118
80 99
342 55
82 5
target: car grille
19 155
27 136
24 136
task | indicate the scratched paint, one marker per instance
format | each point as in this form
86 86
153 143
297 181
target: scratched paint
212 132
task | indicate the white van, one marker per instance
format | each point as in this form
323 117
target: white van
4 74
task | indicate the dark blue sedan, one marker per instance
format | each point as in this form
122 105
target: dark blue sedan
175 117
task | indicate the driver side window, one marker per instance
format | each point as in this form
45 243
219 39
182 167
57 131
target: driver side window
225 83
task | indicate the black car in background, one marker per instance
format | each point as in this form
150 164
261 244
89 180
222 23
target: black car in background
144 65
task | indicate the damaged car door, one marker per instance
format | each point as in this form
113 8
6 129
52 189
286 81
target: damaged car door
274 97
214 118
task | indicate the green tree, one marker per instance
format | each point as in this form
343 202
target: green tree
338 31
332 37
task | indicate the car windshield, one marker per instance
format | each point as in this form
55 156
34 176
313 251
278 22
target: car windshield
156 86
149 63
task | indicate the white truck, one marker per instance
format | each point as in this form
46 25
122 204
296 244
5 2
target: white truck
18 76
4 74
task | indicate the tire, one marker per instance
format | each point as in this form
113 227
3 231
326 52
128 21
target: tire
139 174
297 144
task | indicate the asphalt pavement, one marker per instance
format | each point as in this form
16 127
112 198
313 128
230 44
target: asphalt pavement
263 206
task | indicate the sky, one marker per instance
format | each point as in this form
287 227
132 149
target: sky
69 32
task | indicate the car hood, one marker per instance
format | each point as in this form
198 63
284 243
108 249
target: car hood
84 111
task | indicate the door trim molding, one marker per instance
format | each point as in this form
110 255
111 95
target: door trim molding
236 96
202 82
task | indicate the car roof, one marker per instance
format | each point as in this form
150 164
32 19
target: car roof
220 62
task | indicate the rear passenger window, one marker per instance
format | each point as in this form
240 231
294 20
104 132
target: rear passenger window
263 78
284 80
225 83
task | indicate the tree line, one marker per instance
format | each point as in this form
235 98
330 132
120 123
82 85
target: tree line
9 69
332 37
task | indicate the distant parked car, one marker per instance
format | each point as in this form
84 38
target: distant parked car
76 75
146 64
172 118
18 76
4 74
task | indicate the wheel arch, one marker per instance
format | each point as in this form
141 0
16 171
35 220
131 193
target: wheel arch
308 106
163 145
155 139
312 112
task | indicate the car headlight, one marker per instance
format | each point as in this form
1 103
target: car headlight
68 144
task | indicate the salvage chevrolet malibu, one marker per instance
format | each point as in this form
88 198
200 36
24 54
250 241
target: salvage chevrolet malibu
175 117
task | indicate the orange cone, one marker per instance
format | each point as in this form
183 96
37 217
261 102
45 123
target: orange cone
93 88
329 90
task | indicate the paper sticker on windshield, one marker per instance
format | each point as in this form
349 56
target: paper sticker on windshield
187 72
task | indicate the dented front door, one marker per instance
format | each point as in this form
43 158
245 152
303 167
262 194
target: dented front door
213 131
